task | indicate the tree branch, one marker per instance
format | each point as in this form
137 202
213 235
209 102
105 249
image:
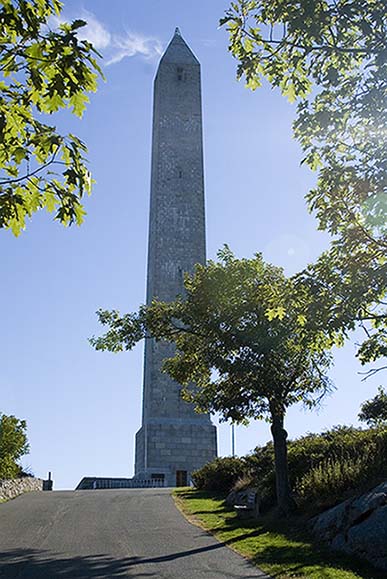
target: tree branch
321 48
29 175
371 372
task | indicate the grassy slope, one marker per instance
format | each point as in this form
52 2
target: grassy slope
278 548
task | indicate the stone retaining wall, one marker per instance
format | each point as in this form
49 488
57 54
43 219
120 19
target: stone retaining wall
11 488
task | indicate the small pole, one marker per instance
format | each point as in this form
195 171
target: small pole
233 439
48 484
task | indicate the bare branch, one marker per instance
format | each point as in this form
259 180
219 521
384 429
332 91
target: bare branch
29 175
371 372
316 48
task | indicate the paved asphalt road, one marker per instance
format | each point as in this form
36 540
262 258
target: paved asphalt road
109 534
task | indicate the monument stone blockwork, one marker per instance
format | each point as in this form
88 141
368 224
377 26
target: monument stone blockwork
173 440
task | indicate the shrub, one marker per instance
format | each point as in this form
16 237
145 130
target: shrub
332 479
323 468
260 464
328 481
13 445
219 474
243 483
335 462
8 468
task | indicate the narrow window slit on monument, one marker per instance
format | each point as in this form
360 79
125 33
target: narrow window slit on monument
179 73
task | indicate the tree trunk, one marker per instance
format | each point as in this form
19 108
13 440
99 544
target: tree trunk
285 501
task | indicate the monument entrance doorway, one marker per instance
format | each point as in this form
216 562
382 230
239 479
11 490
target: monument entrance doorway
181 478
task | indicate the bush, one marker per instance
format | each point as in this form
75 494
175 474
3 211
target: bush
243 483
9 468
260 465
331 480
13 445
220 474
324 466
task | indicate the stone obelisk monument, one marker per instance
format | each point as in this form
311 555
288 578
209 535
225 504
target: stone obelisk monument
173 440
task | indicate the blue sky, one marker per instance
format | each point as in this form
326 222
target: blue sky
84 407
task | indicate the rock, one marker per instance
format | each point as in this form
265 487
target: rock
358 526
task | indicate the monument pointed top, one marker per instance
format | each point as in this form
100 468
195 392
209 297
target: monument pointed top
178 51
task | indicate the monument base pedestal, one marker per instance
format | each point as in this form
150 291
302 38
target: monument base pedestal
172 451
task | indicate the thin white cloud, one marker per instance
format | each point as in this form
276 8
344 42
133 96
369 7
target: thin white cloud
132 45
114 47
95 32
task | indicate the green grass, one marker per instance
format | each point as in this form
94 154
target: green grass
280 548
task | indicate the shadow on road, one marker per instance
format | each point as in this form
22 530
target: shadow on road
173 556
39 564
36 564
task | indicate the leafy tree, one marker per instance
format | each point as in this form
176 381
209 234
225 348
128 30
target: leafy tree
13 445
41 72
374 412
330 56
242 339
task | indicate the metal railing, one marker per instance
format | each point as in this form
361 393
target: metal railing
128 483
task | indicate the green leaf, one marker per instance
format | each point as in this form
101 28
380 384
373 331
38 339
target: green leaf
17 225
50 201
78 24
19 154
290 92
301 319
78 102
